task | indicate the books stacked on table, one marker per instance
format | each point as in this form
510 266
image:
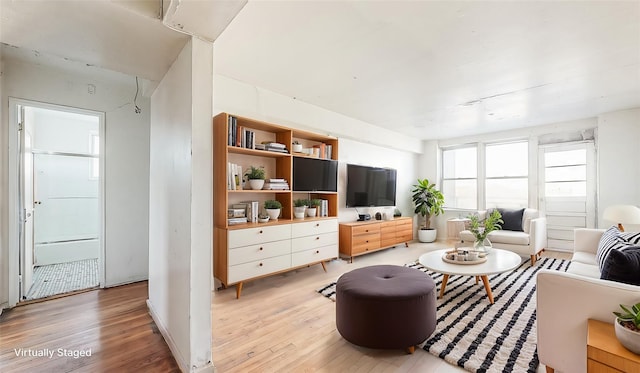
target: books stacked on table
276 184
274 147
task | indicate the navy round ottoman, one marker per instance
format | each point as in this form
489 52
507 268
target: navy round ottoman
386 306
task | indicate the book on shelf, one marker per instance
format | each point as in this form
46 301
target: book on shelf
234 221
234 176
273 144
275 181
276 186
250 210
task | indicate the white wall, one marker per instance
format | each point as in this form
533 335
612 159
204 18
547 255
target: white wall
180 207
618 161
126 157
359 142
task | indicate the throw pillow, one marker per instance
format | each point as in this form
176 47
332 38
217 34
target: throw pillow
613 239
623 266
512 219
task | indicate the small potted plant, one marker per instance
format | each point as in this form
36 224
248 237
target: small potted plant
256 177
313 207
297 147
428 202
299 207
273 208
481 231
627 327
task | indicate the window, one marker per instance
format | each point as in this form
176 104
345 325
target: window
506 176
460 177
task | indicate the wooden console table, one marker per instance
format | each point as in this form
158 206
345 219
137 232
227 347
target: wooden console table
605 354
364 237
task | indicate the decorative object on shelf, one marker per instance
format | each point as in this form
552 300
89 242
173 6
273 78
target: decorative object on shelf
273 208
263 218
481 231
313 207
297 147
627 327
299 207
428 202
627 214
256 177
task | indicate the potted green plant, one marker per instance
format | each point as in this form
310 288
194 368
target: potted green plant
273 208
428 202
297 147
256 177
299 207
627 327
313 207
481 231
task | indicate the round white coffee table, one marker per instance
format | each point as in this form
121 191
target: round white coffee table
498 261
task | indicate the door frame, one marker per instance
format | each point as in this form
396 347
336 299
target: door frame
16 220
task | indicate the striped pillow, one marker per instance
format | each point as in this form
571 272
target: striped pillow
613 239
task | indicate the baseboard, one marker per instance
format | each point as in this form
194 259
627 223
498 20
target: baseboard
182 364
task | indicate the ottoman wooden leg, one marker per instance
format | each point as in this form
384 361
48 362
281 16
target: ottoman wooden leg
411 349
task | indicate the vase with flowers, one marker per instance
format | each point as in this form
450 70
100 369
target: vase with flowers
481 230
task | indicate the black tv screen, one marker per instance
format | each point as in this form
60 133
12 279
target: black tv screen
370 186
315 175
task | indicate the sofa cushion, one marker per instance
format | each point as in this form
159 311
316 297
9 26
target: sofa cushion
613 239
623 266
585 258
528 215
512 219
509 237
583 269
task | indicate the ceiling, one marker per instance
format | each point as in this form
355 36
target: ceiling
429 70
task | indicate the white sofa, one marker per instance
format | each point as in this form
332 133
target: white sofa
528 243
566 300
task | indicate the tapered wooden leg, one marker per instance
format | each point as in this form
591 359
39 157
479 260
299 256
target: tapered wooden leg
445 278
487 287
323 266
411 349
238 290
477 279
549 369
533 259
406 244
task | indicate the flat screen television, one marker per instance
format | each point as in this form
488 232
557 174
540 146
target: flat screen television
315 175
370 186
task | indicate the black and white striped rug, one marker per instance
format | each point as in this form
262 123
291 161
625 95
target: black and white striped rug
483 337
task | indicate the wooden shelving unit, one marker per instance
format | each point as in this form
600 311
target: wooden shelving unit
277 165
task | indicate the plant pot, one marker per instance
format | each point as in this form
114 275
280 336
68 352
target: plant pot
273 213
311 212
628 338
297 148
298 212
256 184
427 235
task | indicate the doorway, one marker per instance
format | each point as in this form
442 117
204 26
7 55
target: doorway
59 194
567 190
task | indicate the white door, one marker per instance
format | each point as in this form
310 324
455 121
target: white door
567 190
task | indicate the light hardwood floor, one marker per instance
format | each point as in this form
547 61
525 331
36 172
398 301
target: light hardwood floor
280 324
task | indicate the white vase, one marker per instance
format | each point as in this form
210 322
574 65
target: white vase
256 184
311 212
297 148
483 246
627 337
298 212
427 235
273 214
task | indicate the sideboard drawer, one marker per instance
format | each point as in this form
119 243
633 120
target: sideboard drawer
263 251
314 227
253 236
314 255
258 268
366 239
366 229
311 242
